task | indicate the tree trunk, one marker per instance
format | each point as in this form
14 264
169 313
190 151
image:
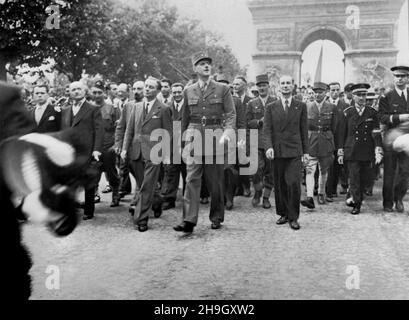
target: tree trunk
3 72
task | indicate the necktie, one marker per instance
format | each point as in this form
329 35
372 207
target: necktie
286 107
204 87
403 97
38 114
165 101
146 109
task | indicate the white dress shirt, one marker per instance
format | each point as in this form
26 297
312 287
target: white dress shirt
39 111
283 100
77 106
405 93
178 106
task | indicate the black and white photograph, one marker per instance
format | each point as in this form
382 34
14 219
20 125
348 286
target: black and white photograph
221 152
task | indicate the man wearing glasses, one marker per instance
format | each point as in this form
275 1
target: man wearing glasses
394 110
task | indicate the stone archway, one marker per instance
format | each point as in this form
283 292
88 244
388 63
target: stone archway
285 28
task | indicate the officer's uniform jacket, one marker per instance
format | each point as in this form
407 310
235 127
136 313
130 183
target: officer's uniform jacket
255 112
361 134
206 110
390 107
322 124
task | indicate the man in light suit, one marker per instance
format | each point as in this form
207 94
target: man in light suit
146 117
46 116
285 135
87 121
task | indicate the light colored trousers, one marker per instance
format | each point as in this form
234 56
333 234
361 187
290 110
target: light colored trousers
324 163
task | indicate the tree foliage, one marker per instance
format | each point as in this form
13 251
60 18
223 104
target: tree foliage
101 36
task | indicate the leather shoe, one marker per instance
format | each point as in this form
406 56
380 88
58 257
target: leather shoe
329 199
266 203
185 227
216 225
204 200
97 199
157 212
247 193
315 192
114 203
294 225
321 199
399 206
356 210
229 205
167 205
309 203
256 199
282 220
87 217
132 210
387 209
142 228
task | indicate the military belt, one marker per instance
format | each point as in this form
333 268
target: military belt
206 121
319 128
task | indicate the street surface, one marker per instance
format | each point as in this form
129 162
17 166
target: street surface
249 258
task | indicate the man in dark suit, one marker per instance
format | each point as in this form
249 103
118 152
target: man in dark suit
177 166
337 172
263 179
285 135
239 90
46 116
393 110
155 116
207 103
87 121
362 144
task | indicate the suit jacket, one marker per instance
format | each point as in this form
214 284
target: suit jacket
140 128
50 121
286 134
214 104
361 134
110 117
390 107
122 123
255 112
88 125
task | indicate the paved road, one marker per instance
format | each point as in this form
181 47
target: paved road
249 258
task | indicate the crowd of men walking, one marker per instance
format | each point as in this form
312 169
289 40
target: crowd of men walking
320 137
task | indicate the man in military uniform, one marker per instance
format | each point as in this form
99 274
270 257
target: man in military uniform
322 121
362 143
206 102
255 117
393 110
337 172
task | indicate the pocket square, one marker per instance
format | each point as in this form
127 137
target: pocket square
51 118
155 117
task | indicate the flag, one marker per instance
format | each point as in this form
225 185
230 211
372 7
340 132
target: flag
318 72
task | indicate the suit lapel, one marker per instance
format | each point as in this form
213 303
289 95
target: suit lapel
66 117
364 116
81 113
154 108
291 112
46 113
279 111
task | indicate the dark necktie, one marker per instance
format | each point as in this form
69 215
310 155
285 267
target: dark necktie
286 107
403 97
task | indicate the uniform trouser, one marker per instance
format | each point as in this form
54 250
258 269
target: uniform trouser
146 193
214 178
337 174
359 172
89 207
394 189
324 164
108 160
287 187
171 181
264 175
372 176
231 181
137 167
125 181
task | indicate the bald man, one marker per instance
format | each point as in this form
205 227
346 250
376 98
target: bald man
87 120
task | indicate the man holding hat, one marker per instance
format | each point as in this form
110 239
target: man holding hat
361 143
255 118
206 103
394 110
322 122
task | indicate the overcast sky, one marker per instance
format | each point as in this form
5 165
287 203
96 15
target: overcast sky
233 20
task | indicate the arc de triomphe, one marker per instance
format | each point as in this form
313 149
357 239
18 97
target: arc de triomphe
366 30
